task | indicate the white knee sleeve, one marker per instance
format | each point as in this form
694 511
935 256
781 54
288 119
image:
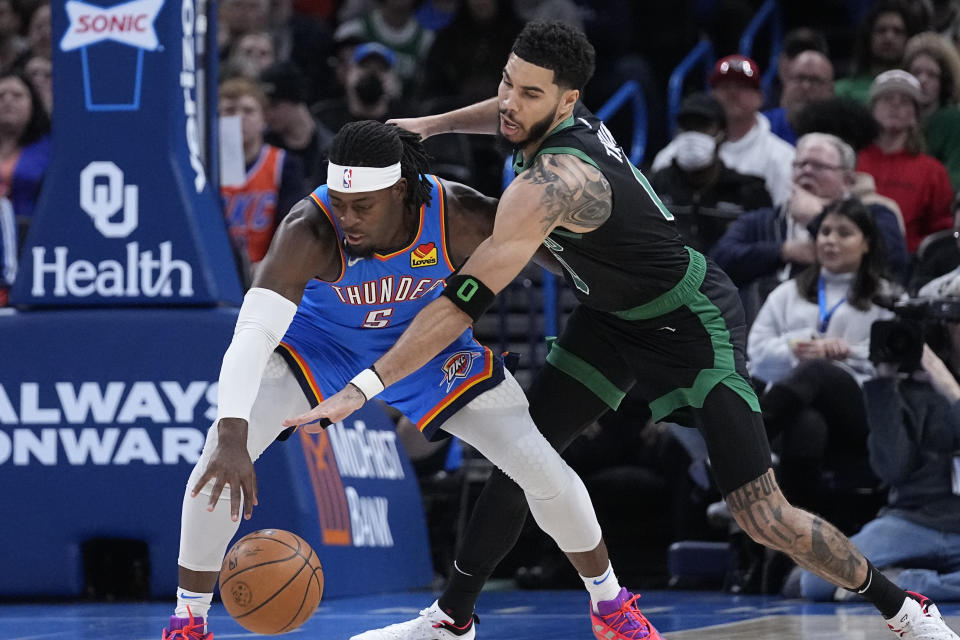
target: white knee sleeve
498 425
568 517
204 535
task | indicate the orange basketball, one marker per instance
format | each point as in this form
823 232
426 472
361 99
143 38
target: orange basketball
271 581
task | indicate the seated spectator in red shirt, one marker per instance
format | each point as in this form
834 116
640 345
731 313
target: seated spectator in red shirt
917 182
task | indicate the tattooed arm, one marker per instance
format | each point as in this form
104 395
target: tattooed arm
557 190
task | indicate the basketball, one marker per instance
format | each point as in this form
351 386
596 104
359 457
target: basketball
271 581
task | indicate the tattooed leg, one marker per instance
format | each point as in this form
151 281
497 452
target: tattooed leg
813 543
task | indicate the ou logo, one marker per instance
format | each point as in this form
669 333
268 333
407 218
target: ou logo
103 194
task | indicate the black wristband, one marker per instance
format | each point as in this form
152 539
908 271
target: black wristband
469 294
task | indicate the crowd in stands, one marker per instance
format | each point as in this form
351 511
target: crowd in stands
816 194
26 101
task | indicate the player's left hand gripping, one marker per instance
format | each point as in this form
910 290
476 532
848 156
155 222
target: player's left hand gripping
333 409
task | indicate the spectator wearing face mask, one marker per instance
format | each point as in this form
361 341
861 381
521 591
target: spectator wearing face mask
750 147
393 24
371 89
699 189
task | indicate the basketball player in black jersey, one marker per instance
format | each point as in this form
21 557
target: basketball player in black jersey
652 312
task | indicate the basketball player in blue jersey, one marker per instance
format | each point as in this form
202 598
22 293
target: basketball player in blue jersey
653 313
349 268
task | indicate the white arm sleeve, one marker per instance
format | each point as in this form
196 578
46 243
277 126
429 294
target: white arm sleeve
264 317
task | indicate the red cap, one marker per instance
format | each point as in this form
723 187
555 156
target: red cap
736 67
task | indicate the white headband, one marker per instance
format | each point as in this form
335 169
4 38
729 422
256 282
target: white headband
361 179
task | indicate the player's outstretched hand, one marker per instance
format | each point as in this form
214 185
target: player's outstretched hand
230 464
416 125
334 409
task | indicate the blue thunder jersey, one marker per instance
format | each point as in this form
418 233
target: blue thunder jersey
342 327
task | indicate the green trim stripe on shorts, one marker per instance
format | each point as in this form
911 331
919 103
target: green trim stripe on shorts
724 369
676 297
586 374
685 293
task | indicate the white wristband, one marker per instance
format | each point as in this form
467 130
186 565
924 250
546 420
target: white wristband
368 382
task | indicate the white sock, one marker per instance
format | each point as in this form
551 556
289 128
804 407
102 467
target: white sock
199 604
602 587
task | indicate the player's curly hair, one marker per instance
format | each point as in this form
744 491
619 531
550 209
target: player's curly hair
559 47
368 143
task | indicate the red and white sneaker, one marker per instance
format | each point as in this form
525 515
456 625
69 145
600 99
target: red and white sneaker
620 619
186 629
431 624
919 619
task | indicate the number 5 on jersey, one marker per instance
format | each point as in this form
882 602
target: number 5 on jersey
377 319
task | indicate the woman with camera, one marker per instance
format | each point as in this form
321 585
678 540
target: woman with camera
810 345
914 447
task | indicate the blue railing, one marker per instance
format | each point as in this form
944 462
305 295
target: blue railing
632 91
702 54
767 15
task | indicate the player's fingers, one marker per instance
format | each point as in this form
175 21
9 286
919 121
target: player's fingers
236 492
302 419
204 479
249 496
215 492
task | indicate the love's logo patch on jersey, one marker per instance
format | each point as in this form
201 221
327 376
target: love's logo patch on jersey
457 367
424 256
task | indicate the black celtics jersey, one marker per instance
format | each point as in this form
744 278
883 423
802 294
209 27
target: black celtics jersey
637 254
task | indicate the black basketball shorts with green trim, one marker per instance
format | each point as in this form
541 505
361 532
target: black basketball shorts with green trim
676 350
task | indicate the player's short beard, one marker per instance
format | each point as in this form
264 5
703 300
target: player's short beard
537 131
357 252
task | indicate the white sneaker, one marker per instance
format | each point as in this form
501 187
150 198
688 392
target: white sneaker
920 621
431 624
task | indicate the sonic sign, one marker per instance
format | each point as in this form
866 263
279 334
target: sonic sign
130 23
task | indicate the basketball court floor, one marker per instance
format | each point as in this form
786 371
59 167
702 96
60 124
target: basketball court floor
513 615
